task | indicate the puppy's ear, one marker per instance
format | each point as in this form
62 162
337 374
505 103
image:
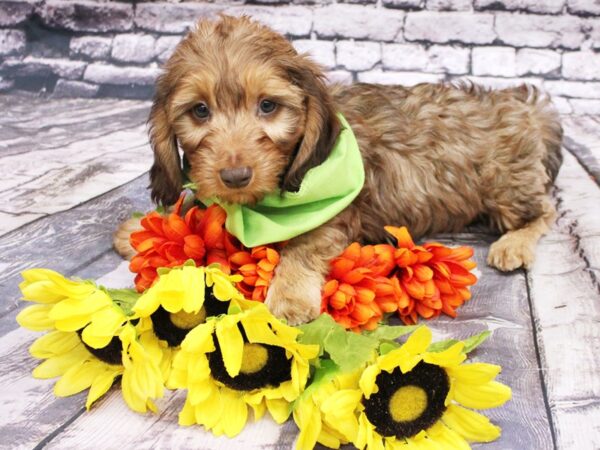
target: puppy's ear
322 125
165 174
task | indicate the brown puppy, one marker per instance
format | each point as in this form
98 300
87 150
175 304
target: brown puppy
252 115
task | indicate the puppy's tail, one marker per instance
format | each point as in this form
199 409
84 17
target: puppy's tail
546 120
121 236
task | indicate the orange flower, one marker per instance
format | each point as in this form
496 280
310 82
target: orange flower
169 241
435 277
357 283
452 274
257 266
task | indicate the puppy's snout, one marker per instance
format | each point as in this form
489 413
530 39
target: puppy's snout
236 177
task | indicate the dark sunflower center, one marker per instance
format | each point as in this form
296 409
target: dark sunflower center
408 403
174 327
110 354
262 366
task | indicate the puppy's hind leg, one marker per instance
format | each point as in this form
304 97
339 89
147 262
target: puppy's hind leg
121 238
516 248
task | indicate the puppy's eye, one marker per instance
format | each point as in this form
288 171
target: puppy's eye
201 111
267 106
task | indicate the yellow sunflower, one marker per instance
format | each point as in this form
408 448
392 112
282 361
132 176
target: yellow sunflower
236 361
70 305
66 356
92 340
184 297
408 398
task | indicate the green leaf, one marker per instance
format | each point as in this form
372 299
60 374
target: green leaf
387 347
390 332
124 298
349 350
475 341
440 346
137 215
471 343
316 331
346 349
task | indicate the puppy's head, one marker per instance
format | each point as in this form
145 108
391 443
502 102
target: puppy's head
249 113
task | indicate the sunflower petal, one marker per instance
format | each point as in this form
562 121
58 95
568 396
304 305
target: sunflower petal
470 425
100 385
36 318
482 396
231 343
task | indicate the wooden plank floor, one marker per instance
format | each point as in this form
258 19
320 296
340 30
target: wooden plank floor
73 169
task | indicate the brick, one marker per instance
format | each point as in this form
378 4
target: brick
520 30
573 89
535 6
537 62
350 21
15 12
43 67
403 4
562 105
68 89
131 91
90 47
592 25
581 66
172 18
436 59
584 7
443 27
339 76
321 52
448 59
403 78
109 74
137 48
495 61
500 83
165 46
87 15
450 5
585 107
290 20
12 42
354 55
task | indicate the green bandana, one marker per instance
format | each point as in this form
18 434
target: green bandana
325 191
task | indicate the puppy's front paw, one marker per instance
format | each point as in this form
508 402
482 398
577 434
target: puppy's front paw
295 298
510 252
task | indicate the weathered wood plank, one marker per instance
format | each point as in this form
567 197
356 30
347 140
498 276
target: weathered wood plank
68 240
13 221
33 123
582 139
86 148
565 293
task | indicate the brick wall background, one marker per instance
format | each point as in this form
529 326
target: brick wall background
112 48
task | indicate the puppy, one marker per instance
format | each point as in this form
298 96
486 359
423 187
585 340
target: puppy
252 116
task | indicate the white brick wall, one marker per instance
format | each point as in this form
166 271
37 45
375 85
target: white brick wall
554 44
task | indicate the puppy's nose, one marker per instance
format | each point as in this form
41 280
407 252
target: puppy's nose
236 177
